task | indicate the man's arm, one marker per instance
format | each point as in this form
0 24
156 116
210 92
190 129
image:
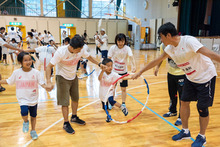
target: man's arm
212 55
150 65
133 65
48 73
11 47
90 58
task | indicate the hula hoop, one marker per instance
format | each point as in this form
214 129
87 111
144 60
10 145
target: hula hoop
112 87
88 74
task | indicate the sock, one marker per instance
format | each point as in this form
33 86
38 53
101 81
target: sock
73 116
66 122
179 119
186 130
123 102
203 136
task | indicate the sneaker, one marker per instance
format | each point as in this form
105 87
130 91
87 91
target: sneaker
108 120
67 127
199 142
169 114
124 110
181 136
109 106
25 127
2 89
77 120
178 122
34 135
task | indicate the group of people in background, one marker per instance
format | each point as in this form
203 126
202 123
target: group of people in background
194 82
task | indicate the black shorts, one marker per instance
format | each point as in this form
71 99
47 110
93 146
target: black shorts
4 56
203 93
124 83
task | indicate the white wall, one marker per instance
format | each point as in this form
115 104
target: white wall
156 9
53 25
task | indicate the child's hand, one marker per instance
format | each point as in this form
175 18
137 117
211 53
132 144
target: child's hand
103 67
49 87
133 70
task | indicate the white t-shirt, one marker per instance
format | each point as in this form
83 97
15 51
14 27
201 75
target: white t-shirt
67 61
26 85
46 38
50 37
104 39
45 53
64 36
2 42
12 34
120 57
105 84
33 42
15 45
197 67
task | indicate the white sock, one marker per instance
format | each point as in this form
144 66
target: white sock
186 130
203 136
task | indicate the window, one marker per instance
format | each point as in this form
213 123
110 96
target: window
85 8
101 7
33 8
50 8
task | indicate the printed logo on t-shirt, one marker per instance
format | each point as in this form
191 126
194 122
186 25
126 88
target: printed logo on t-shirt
186 67
20 77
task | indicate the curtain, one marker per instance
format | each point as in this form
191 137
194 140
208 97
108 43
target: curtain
118 6
185 12
71 11
215 21
197 16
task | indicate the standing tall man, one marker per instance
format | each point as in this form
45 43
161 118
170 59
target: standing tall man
66 58
195 60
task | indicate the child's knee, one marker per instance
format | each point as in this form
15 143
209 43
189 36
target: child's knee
24 110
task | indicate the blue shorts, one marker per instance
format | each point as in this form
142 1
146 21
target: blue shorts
203 93
32 110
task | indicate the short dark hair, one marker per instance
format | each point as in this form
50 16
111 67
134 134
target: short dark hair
13 39
106 60
31 34
167 28
77 41
2 28
50 40
67 39
12 28
32 30
120 37
21 56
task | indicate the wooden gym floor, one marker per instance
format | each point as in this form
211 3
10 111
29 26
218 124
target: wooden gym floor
150 129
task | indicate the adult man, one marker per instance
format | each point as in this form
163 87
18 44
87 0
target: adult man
195 60
66 58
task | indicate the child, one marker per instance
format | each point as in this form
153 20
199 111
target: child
119 54
15 45
27 80
45 53
106 77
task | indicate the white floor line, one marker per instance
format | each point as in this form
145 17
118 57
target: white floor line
29 142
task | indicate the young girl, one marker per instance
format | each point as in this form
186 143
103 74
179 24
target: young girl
120 53
27 80
15 45
106 77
